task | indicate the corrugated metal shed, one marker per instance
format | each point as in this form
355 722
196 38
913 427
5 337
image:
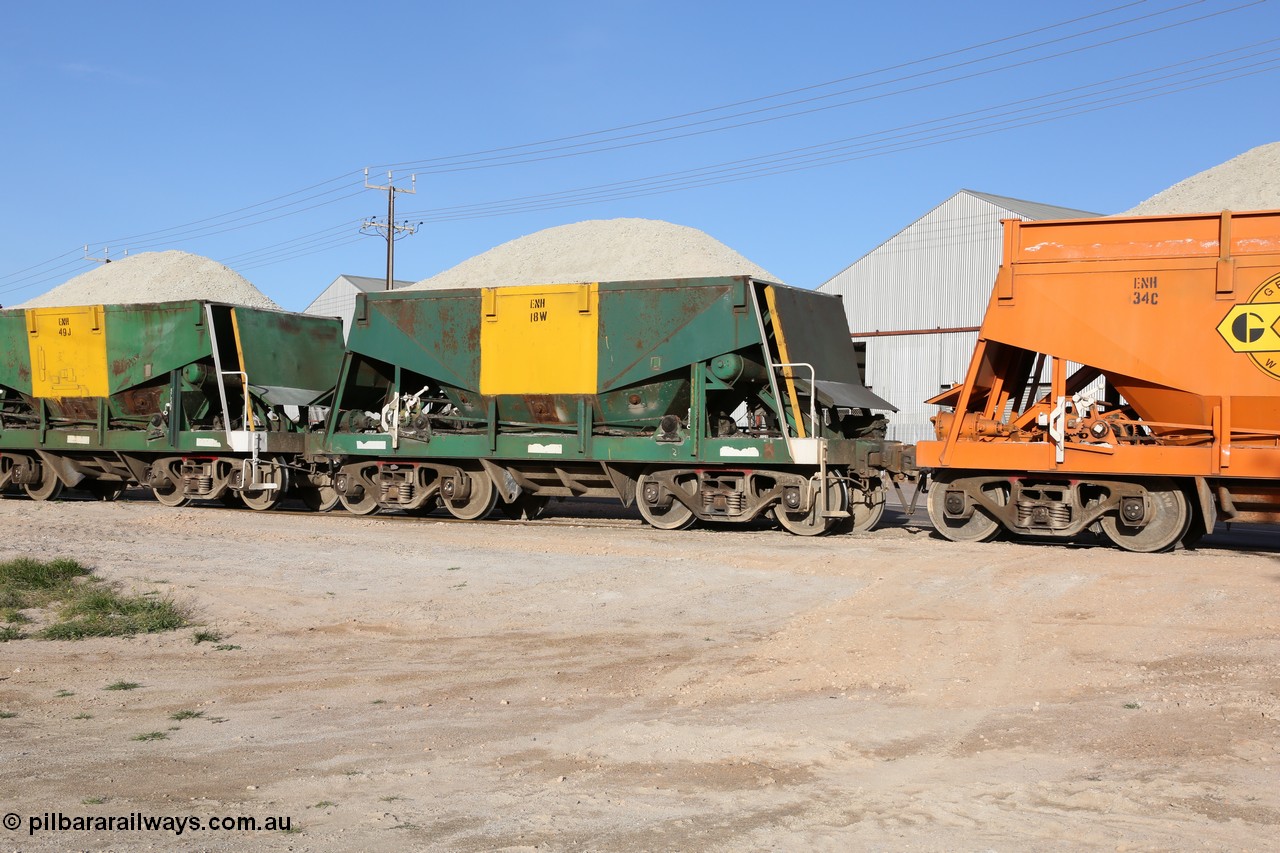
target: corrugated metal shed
339 298
916 300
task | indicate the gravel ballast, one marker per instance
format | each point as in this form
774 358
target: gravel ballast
598 250
155 277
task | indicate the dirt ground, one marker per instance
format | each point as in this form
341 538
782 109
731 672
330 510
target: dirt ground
587 683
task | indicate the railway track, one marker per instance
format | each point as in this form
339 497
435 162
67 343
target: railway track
595 514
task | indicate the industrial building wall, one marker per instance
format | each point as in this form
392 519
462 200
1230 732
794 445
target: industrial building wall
336 300
935 273
339 298
928 287
906 370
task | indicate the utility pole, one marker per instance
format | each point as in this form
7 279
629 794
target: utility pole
106 255
390 229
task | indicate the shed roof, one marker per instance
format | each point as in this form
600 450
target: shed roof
372 285
362 283
1031 209
1023 209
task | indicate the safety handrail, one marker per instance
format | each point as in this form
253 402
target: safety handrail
813 391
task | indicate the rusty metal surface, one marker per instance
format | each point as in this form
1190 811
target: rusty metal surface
140 401
73 408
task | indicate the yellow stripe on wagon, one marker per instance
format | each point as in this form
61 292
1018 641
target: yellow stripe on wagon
68 351
540 339
788 374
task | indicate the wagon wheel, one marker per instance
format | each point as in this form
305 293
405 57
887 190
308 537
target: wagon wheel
979 527
169 490
479 503
674 516
47 489
264 499
318 498
1170 517
812 522
104 490
866 509
170 494
366 504
525 508
357 497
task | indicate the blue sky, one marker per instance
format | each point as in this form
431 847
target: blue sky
240 130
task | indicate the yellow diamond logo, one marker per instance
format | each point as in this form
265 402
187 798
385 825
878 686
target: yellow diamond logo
1253 327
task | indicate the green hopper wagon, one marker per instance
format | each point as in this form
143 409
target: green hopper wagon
198 400
719 399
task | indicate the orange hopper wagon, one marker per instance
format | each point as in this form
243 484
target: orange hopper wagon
1126 380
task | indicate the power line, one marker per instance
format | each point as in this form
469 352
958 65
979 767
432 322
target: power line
543 154
41 264
535 201
191 229
358 238
79 266
576 197
148 235
255 215
885 69
825 153
311 238
213 225
258 219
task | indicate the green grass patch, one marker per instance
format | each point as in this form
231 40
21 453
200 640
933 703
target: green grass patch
206 637
8 715
152 736
105 612
76 604
186 714
25 582
83 716
122 685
